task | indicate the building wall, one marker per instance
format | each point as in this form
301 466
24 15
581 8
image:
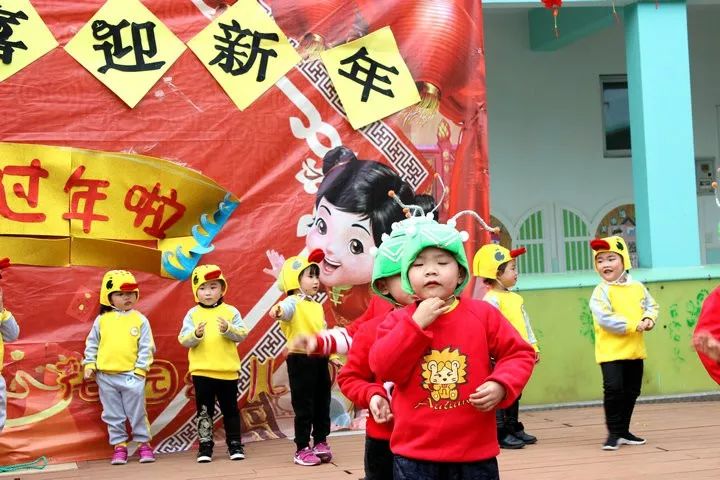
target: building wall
545 125
567 371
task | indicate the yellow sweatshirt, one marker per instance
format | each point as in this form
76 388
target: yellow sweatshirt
617 309
301 316
214 354
120 342
512 307
9 331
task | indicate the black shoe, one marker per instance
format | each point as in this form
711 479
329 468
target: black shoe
205 453
612 443
526 438
236 451
630 439
510 441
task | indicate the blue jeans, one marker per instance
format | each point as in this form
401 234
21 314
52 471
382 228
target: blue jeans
409 469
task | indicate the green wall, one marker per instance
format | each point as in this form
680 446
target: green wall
567 371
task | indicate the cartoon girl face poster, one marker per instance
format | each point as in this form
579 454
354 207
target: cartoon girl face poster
352 212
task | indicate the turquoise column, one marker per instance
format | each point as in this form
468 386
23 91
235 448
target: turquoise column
663 158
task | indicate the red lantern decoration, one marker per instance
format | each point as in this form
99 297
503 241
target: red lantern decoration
554 5
433 39
315 24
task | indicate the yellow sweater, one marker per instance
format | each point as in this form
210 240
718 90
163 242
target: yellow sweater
215 354
9 331
512 307
617 310
301 316
120 342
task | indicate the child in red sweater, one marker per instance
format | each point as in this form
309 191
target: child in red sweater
357 381
707 335
437 353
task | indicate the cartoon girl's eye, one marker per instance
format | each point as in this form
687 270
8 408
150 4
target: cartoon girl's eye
321 226
356 247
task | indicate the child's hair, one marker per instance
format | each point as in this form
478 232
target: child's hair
361 187
425 201
314 270
105 309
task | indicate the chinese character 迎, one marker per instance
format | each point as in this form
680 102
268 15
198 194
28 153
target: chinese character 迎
116 49
229 55
370 73
89 197
34 172
144 206
7 48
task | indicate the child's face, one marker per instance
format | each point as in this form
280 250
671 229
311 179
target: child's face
609 265
309 282
346 240
435 273
509 277
393 286
210 292
123 300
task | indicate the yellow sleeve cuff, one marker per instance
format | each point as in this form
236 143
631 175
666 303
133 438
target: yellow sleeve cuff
4 315
90 366
140 371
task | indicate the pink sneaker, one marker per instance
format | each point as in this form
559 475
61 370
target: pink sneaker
306 457
119 456
322 451
146 453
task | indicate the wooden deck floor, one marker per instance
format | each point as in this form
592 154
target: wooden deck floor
683 443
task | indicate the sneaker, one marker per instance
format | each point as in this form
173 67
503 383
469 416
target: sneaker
612 443
630 439
236 451
306 457
119 456
205 453
322 451
146 453
510 441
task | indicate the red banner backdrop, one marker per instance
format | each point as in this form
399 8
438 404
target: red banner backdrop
269 156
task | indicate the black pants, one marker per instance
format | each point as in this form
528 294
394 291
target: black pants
225 391
310 397
622 380
507 418
409 469
378 459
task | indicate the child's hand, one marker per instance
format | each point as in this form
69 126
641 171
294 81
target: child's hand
89 373
537 358
487 396
223 325
428 310
380 409
276 263
276 312
304 343
200 330
645 324
705 343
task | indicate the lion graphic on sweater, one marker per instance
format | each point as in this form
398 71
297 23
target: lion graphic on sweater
442 372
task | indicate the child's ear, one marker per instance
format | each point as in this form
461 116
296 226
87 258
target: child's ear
461 276
382 286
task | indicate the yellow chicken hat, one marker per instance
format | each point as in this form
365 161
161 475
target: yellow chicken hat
613 244
206 273
117 281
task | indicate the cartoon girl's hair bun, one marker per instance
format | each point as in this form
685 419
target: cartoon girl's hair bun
336 157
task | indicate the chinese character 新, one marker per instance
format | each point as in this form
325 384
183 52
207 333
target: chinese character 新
117 49
370 73
229 54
